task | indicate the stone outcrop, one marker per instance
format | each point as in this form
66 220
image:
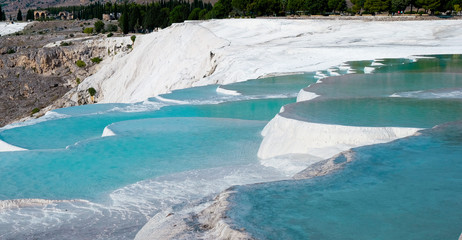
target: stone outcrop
33 80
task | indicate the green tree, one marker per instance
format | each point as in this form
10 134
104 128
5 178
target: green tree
267 7
194 15
2 14
358 5
337 5
19 16
295 5
457 8
150 16
179 14
431 5
315 6
115 10
203 14
399 5
99 26
134 18
30 15
376 6
163 18
124 20
221 9
240 5
92 91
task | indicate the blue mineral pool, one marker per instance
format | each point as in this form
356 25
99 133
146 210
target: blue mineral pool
410 188
177 151
377 112
91 180
406 189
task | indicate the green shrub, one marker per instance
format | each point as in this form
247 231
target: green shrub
92 91
88 30
129 46
133 38
71 35
10 51
35 110
110 35
96 60
111 28
64 44
77 80
80 63
99 26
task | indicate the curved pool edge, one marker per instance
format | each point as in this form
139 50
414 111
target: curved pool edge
283 135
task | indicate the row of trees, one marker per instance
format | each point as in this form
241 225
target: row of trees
282 7
161 15
429 6
139 17
136 17
18 16
93 10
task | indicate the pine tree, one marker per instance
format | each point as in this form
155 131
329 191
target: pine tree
30 15
115 11
19 16
124 20
135 17
2 14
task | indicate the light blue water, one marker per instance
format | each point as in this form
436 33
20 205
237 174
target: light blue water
200 132
434 63
384 84
273 86
377 112
358 66
59 133
180 146
407 189
94 167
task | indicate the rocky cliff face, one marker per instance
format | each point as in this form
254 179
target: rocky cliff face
33 77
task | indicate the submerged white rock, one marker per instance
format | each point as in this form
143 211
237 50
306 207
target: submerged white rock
6 147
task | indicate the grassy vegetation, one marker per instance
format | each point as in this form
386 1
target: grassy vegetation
35 110
96 60
80 64
88 30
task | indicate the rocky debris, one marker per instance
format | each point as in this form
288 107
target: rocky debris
34 77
